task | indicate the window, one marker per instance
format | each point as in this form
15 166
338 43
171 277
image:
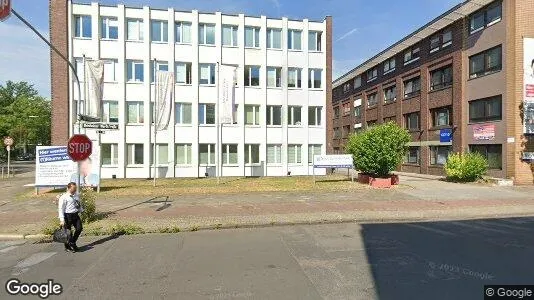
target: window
82 27
274 77
135 71
357 111
206 114
182 114
412 156
294 154
207 74
346 131
135 30
389 65
336 112
252 37
294 39
346 88
110 70
390 94
485 63
134 154
492 153
229 35
372 74
441 40
314 78
390 119
313 150
411 121
162 157
274 38
274 115
294 78
110 154
441 117
294 116
206 154
314 40
159 31
485 17
182 32
485 110
110 111
183 72
136 113
439 154
357 82
252 115
229 154
109 28
372 100
315 115
160 66
346 108
337 133
411 55
206 34
412 87
183 154
371 123
252 154
441 78
252 76
274 154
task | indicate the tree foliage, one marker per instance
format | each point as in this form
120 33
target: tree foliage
380 149
24 115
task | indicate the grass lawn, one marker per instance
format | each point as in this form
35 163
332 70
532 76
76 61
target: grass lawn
227 185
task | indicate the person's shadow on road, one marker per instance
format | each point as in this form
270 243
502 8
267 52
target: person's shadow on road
97 242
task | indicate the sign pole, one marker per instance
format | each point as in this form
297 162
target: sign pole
8 160
218 163
154 114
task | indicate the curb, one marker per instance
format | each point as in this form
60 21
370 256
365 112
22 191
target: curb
8 236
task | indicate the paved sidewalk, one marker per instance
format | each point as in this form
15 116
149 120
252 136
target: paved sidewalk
415 199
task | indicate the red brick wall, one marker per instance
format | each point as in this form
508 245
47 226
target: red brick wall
59 71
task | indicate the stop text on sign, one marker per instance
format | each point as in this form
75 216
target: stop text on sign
80 147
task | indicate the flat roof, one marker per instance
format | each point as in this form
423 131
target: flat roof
452 15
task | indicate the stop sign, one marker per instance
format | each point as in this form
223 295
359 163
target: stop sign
79 146
5 9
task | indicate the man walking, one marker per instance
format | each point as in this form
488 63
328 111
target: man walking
68 208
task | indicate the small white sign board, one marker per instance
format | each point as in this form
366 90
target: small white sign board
333 161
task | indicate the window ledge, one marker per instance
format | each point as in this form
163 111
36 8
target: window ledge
411 61
294 164
111 82
316 126
434 50
183 84
440 89
477 30
183 166
206 166
274 88
493 22
207 45
230 46
372 106
252 126
274 126
231 165
110 166
439 127
315 51
446 45
135 41
82 38
275 49
389 71
274 164
411 164
294 50
484 75
257 87
315 89
135 124
412 96
372 79
389 102
253 164
134 82
135 166
185 44
294 88
436 166
183 125
294 126
159 42
207 125
108 40
206 85
483 121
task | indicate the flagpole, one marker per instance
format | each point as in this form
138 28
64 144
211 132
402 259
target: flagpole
218 162
155 157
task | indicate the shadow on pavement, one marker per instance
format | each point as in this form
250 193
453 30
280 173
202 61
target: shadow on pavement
450 259
97 242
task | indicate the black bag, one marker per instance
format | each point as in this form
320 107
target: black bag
61 235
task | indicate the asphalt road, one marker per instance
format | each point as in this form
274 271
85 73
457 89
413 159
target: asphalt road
437 260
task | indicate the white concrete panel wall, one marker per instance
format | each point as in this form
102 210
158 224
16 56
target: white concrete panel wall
171 52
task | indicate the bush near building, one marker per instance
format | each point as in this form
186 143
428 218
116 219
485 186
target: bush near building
465 167
379 150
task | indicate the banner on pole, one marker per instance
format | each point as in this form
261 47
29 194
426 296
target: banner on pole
94 77
164 90
226 94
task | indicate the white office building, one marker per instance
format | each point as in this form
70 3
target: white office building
280 95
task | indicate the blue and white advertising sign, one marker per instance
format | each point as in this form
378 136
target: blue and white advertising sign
333 161
445 135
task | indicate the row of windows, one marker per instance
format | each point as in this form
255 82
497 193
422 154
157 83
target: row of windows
206 154
481 64
439 154
159 32
135 72
206 114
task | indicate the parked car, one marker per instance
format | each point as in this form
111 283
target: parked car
25 157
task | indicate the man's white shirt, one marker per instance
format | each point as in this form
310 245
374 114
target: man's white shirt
67 204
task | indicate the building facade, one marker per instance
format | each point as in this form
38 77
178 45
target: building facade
283 72
460 74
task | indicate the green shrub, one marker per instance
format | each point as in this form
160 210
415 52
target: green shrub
466 167
88 198
172 229
126 229
379 149
51 226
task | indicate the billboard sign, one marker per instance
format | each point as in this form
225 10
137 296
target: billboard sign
484 132
333 161
528 88
55 168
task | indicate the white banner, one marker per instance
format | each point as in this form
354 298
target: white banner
333 161
164 90
53 167
94 77
528 88
226 94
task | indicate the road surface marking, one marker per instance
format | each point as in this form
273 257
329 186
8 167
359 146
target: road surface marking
36 258
431 229
7 249
473 226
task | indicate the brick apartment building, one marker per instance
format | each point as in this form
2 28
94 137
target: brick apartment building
460 73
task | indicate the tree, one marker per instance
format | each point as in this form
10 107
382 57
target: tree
379 150
24 114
